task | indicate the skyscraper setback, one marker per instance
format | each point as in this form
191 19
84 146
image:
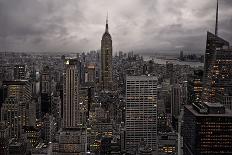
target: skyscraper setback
106 59
72 137
218 65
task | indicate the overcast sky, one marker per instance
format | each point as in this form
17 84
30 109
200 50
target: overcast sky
140 25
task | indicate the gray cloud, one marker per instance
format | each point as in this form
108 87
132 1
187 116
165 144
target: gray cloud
78 25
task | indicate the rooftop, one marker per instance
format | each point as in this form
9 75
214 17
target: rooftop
228 113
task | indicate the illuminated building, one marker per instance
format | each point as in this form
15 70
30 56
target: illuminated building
32 134
71 107
167 144
11 114
141 112
195 86
207 129
106 59
72 136
218 65
20 93
19 72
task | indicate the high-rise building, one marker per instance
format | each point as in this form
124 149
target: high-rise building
11 114
71 107
19 72
207 129
90 73
176 103
195 86
72 137
22 92
141 112
218 65
169 71
45 90
106 59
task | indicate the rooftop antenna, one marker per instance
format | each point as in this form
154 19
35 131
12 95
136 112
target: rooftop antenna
216 25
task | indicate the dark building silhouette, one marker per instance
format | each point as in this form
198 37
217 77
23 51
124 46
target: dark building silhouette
207 129
45 90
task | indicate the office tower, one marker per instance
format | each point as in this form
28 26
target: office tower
21 91
106 59
176 103
195 86
11 113
72 137
71 107
91 73
19 72
169 71
218 65
207 129
141 112
45 91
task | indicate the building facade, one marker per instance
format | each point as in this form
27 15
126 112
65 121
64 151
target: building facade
71 107
207 129
141 112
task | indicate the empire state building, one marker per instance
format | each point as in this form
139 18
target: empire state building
106 59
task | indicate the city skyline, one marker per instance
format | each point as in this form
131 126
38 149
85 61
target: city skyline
57 26
105 101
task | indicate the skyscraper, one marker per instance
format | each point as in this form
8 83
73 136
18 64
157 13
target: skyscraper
45 90
169 71
71 109
218 65
176 103
141 112
19 72
21 91
207 129
72 137
106 59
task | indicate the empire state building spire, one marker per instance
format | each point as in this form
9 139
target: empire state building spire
106 59
107 27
